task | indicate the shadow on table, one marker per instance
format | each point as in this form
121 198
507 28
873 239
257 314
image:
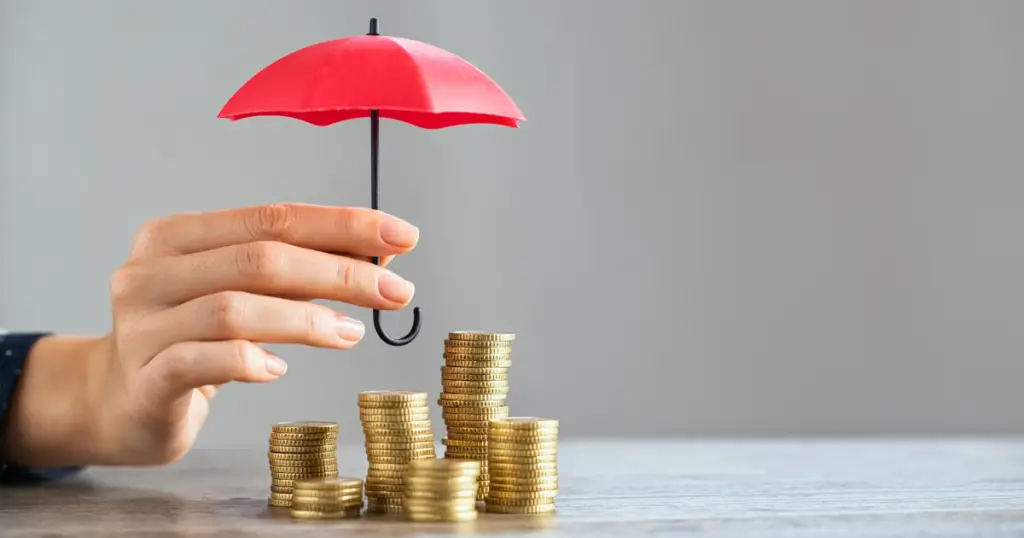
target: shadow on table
82 509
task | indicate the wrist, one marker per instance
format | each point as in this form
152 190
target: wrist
52 419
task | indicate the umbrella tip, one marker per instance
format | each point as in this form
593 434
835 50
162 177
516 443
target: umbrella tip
373 27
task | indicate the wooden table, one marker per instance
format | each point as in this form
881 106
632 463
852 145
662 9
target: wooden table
792 488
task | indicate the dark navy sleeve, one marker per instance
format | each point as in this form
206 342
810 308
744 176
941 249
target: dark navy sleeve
14 349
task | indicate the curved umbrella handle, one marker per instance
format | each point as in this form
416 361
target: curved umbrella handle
374 197
413 332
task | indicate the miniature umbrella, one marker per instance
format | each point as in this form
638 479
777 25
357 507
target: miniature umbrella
377 77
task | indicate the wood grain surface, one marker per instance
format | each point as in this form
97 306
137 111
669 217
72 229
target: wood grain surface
792 488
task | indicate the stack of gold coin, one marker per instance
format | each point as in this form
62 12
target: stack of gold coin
298 451
523 454
441 490
327 498
397 428
475 383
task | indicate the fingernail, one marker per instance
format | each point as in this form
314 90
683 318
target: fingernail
350 329
276 366
398 233
395 288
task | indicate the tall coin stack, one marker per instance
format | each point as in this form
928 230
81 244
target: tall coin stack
397 428
475 390
441 490
298 451
327 498
523 453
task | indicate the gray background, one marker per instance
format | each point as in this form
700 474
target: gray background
727 218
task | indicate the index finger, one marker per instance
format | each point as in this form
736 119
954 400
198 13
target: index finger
358 231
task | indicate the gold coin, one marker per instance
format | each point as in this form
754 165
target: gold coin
473 397
305 426
385 492
465 405
298 449
476 390
418 415
483 412
478 438
341 514
482 356
308 462
304 470
337 495
461 443
524 481
327 435
525 423
532 509
512 468
300 476
302 456
482 335
449 342
520 497
324 504
399 437
386 480
401 459
336 483
388 467
461 424
473 384
531 460
475 373
281 489
453 517
371 396
455 504
329 444
525 444
543 437
384 508
399 445
444 467
525 488
279 502
470 364
391 426
468 431
280 496
500 475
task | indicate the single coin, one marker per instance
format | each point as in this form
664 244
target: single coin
472 384
392 395
341 514
298 449
379 425
524 444
449 342
476 390
330 484
524 423
302 456
513 467
517 488
279 503
476 373
482 335
482 358
305 426
300 436
532 509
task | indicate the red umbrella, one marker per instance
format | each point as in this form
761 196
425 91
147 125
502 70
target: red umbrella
377 77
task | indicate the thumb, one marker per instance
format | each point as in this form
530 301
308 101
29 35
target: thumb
172 375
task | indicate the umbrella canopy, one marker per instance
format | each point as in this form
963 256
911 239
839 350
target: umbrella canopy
374 76
347 78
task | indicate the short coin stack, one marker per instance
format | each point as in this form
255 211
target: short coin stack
523 453
441 490
327 498
475 390
298 451
397 428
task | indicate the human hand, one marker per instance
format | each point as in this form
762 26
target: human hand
200 291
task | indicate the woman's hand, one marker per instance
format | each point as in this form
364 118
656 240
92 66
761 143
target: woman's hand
200 291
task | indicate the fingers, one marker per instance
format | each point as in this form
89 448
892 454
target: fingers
256 318
172 375
266 268
357 230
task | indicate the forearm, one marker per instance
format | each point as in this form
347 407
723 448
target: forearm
51 422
